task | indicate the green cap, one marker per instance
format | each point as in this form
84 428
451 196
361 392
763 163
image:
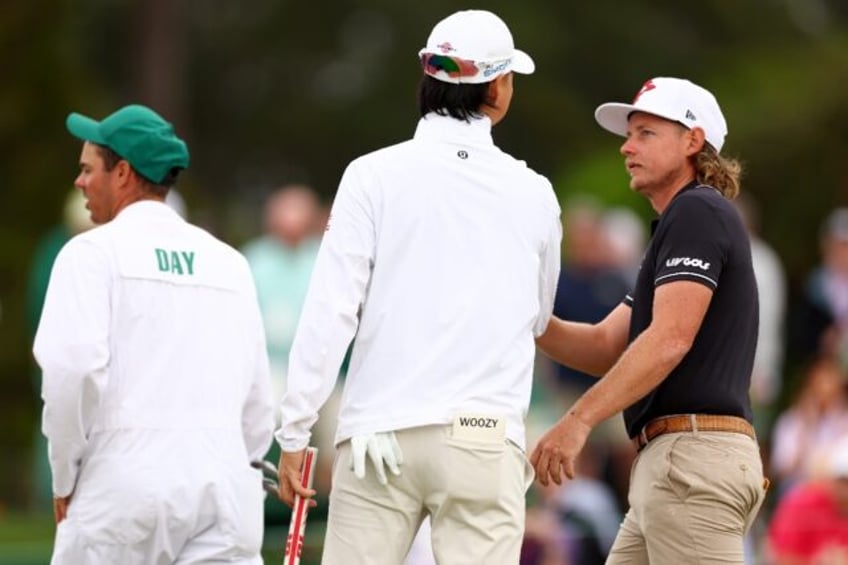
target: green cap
137 134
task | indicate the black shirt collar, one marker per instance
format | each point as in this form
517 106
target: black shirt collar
691 185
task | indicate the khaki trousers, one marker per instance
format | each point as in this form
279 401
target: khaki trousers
473 492
693 495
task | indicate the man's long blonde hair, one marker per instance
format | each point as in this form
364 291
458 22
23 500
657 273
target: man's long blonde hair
723 173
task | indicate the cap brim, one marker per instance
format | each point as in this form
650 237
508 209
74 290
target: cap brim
522 63
84 128
613 117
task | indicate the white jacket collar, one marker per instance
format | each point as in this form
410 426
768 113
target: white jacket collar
436 127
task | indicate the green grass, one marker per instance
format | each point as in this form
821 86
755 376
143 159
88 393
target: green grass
25 539
275 541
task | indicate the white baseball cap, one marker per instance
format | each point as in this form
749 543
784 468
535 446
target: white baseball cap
472 47
674 99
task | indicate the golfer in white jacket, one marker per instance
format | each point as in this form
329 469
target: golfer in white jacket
156 389
441 257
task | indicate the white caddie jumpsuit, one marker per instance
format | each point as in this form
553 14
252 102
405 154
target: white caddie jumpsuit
156 394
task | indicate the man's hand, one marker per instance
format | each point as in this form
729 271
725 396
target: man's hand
382 449
289 478
60 507
558 449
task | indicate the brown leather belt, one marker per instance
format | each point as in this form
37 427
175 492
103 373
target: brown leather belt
692 423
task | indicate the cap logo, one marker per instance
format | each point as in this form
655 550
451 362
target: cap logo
649 85
446 47
490 69
690 115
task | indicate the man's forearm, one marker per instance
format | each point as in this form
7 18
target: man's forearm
641 368
579 346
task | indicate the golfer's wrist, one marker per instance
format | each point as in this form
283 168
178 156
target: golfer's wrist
580 417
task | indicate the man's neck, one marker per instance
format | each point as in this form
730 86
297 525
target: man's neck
660 199
138 195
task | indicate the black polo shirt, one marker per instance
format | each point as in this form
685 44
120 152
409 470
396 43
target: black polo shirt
700 237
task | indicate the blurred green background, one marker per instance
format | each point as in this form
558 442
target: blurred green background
274 91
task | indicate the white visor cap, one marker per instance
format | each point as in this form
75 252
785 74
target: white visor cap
472 47
674 99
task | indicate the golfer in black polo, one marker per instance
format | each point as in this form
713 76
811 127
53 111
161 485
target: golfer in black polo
676 355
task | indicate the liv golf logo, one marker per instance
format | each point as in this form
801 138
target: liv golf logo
687 262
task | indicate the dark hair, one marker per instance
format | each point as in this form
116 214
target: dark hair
459 101
110 160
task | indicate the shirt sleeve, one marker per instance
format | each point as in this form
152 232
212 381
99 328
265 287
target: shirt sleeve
693 244
258 411
72 348
330 314
549 275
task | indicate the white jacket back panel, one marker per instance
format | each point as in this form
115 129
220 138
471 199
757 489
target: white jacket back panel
151 324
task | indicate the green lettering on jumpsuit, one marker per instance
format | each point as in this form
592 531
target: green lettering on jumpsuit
162 259
189 259
177 262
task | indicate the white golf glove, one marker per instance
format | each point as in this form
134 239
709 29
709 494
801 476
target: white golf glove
382 449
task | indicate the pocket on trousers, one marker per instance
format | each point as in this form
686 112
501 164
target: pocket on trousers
477 446
475 470
114 503
529 471
761 489
719 466
747 455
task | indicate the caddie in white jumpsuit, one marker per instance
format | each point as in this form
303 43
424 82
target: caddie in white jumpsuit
156 389
441 258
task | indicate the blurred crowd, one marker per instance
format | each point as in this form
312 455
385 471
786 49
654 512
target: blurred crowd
799 387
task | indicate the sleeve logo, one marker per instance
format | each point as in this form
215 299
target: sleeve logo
687 262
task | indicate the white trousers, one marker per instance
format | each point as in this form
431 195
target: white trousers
163 497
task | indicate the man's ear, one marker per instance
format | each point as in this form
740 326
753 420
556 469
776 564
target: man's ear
492 93
495 88
697 139
124 171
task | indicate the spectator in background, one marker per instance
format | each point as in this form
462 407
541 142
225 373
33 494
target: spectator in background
767 375
177 203
544 538
811 425
810 524
575 522
281 261
625 235
825 324
75 219
593 281
588 511
590 285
